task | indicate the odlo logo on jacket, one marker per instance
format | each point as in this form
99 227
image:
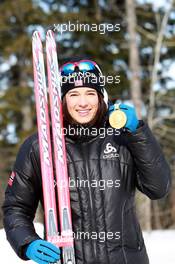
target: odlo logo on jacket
110 152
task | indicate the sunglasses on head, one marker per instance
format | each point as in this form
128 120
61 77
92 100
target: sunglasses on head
83 65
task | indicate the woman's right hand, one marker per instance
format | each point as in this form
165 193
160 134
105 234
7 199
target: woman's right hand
43 252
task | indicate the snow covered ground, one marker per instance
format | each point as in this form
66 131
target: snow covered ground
160 246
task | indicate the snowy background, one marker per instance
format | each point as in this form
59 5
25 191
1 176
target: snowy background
160 246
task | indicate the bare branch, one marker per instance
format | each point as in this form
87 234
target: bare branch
159 119
150 36
146 33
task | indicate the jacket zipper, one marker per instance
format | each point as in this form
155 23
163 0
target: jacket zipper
91 202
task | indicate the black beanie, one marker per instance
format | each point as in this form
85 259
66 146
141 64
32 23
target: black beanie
92 79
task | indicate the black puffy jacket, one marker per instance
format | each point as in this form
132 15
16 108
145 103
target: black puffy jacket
104 210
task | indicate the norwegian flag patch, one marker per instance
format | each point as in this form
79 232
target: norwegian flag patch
11 178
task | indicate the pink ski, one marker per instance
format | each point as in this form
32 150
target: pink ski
52 235
59 148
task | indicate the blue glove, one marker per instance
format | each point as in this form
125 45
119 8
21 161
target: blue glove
132 121
43 252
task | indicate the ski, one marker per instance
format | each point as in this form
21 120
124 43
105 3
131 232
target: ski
44 137
62 183
65 240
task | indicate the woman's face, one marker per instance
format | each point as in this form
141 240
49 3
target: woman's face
82 104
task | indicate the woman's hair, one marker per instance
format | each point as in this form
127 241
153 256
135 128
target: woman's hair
96 121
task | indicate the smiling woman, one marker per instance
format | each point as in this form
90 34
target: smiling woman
85 100
131 159
82 104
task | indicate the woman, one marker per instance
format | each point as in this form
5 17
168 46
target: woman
112 165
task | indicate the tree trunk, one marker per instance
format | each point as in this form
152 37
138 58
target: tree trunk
144 207
27 120
134 62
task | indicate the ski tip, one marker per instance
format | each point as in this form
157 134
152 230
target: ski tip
50 40
36 34
36 41
50 33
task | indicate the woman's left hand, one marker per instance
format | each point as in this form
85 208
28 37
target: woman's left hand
132 120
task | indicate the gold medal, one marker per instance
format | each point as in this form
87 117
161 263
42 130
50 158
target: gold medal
117 118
